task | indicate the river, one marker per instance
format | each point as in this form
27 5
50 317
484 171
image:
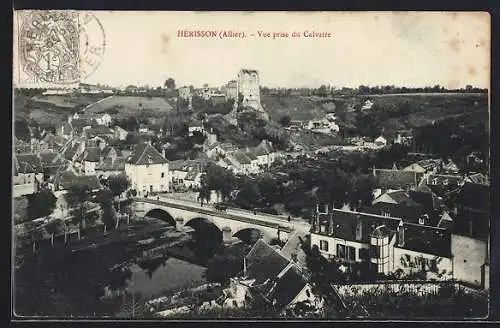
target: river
92 276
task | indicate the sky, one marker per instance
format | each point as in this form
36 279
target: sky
366 48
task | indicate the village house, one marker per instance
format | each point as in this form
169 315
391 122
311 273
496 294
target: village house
91 158
265 153
28 174
367 105
64 129
120 133
196 126
384 244
279 280
64 180
184 93
104 119
192 180
100 131
404 137
390 179
381 141
147 170
111 162
419 205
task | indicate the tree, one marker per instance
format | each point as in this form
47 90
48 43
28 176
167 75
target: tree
105 198
41 204
249 194
170 83
118 184
77 197
285 120
53 228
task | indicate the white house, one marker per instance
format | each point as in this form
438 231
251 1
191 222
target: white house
148 170
265 153
381 141
120 133
28 174
104 119
90 160
192 180
383 244
196 126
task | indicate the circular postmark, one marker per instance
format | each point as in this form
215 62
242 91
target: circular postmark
92 43
60 47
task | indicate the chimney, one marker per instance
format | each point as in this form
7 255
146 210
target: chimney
326 208
330 224
163 152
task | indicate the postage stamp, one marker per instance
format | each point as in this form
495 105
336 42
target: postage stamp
56 48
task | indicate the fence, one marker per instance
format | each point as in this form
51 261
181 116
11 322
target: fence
416 287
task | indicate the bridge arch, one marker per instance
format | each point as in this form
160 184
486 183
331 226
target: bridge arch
196 219
161 214
249 235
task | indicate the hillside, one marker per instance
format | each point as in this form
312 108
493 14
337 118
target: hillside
125 106
396 112
50 109
297 107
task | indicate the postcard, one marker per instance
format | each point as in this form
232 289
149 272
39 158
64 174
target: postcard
250 165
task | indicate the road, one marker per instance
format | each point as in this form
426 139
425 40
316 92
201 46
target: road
238 214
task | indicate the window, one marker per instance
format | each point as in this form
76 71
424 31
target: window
323 245
386 214
162 174
445 182
363 254
351 253
341 251
435 181
375 251
421 220
401 236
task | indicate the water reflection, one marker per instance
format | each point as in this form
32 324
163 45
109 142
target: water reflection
168 275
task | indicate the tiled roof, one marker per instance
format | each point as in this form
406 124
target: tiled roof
28 163
79 123
145 154
192 174
382 232
92 154
402 198
99 129
71 152
66 179
345 222
446 221
264 262
109 165
475 196
396 179
425 239
288 287
251 155
478 178
264 148
444 180
241 157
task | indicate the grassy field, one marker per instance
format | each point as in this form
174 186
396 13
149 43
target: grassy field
124 106
50 109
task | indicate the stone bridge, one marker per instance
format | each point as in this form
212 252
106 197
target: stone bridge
181 213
